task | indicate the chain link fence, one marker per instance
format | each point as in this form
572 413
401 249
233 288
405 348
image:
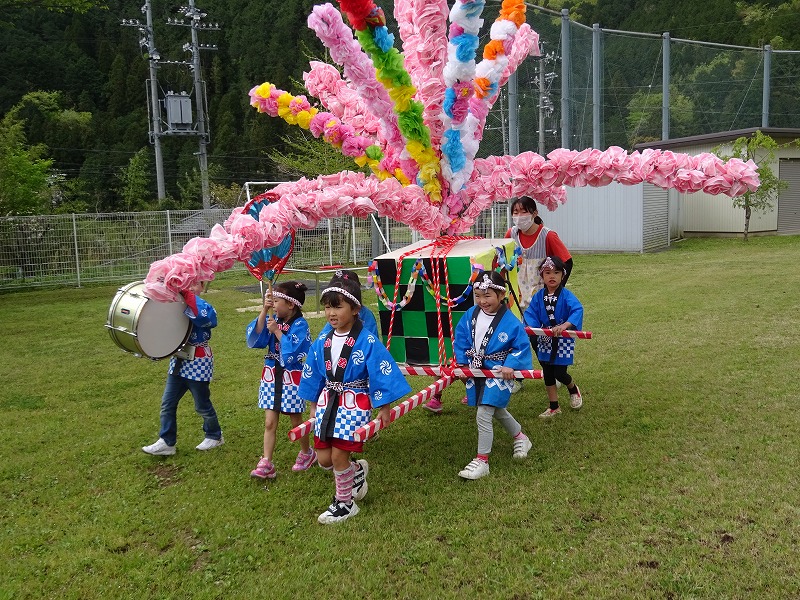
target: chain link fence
77 249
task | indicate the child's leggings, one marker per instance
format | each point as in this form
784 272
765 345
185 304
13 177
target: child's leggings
552 372
485 429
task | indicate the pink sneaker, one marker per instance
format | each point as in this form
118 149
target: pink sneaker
465 400
264 470
304 460
434 405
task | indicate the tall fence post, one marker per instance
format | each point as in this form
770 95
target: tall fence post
77 256
353 225
597 61
765 90
330 243
375 236
665 69
169 234
566 125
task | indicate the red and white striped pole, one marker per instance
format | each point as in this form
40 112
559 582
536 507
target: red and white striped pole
302 429
581 335
434 371
362 434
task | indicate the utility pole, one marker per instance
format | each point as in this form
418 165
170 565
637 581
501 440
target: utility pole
147 41
178 106
195 16
544 80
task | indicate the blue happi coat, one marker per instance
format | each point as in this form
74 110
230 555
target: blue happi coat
568 308
289 354
371 379
508 338
204 319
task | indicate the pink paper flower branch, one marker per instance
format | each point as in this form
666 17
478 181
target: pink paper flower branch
498 178
324 82
345 50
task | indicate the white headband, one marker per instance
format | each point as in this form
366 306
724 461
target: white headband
343 292
547 263
488 283
288 298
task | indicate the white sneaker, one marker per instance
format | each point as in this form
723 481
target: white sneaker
208 444
160 448
550 413
337 512
576 400
516 386
521 447
476 469
360 485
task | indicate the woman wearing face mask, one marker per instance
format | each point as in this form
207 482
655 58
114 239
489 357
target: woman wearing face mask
537 242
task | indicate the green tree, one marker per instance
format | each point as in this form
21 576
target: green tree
53 5
136 182
24 174
306 156
761 149
643 123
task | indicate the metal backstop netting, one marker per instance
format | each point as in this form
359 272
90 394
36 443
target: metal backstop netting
594 87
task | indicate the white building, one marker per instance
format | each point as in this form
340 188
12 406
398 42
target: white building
701 214
644 217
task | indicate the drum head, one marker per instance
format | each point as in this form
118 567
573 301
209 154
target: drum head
147 327
162 328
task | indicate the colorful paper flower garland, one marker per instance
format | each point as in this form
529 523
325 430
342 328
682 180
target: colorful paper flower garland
391 137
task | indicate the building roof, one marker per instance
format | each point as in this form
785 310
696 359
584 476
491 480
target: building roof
714 139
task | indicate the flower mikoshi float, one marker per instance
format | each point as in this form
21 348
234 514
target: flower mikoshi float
415 119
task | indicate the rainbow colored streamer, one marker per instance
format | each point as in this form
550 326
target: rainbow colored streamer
369 22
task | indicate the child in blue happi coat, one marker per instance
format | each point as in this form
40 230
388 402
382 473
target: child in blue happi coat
555 307
287 339
348 373
364 314
490 336
192 375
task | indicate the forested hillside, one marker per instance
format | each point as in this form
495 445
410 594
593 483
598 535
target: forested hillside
73 101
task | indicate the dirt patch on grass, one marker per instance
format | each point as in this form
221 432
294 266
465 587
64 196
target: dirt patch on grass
166 475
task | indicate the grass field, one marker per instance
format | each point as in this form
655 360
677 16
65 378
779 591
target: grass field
678 478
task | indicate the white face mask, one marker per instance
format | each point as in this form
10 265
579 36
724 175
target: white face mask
523 222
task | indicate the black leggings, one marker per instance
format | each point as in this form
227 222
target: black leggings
555 372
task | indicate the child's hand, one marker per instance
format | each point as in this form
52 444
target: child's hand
506 373
267 302
272 325
384 414
559 329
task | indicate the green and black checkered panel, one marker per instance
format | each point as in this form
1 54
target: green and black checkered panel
415 332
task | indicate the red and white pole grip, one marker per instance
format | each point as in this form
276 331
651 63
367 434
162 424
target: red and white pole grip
467 372
302 429
581 335
362 434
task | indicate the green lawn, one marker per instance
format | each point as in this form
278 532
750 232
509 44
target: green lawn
678 478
